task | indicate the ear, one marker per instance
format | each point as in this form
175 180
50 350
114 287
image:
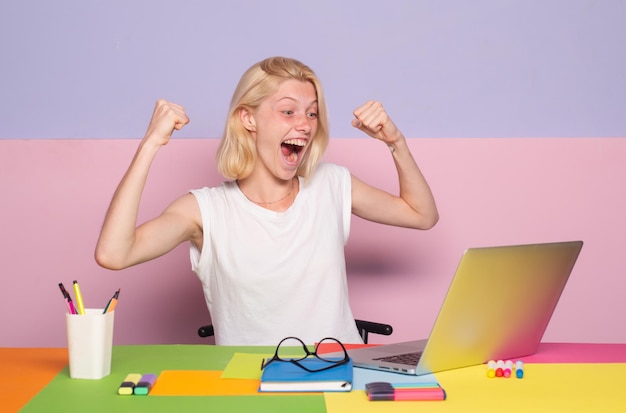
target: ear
247 119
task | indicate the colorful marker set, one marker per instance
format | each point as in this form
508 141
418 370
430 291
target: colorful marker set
379 391
79 308
137 384
505 369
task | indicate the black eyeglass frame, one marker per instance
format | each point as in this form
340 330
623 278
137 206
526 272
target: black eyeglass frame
308 353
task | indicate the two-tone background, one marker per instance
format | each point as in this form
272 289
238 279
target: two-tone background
515 110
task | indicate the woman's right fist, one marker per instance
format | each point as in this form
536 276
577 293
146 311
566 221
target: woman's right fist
166 118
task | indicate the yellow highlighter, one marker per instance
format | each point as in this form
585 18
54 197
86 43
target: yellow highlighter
128 385
79 299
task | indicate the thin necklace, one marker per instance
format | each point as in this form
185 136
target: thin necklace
278 200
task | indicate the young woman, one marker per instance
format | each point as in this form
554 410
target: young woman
268 244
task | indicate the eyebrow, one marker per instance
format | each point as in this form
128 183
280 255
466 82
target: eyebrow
313 102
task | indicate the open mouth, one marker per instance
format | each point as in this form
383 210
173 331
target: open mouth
292 148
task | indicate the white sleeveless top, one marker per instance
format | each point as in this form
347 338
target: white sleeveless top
267 275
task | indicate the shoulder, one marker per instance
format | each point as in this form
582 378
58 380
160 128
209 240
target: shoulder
331 181
184 212
213 193
184 205
330 172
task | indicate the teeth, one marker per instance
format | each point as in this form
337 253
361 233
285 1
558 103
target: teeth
297 142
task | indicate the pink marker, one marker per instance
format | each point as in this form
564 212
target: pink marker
68 299
508 368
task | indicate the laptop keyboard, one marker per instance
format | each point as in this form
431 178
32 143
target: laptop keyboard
409 359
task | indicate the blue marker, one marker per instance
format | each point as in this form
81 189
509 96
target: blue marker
519 369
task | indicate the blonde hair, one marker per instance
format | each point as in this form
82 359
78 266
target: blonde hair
236 154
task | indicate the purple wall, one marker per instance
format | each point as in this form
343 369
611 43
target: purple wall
456 68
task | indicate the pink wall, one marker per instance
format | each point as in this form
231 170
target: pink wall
489 191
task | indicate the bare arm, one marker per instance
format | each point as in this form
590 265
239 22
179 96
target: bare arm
122 243
415 206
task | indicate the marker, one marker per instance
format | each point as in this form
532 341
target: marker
112 302
491 369
68 299
128 385
499 368
79 299
519 369
377 391
145 384
508 368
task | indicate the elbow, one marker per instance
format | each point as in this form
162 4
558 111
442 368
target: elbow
429 221
107 261
433 221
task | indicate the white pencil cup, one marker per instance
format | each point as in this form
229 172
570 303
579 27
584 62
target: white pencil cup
89 343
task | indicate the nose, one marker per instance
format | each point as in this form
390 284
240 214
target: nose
304 124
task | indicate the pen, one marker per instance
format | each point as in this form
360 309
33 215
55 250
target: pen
112 302
79 299
68 299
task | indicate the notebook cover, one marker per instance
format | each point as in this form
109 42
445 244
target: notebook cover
287 377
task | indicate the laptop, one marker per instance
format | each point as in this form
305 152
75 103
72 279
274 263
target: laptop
497 308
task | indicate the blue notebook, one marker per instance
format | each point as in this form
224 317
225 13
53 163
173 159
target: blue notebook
287 377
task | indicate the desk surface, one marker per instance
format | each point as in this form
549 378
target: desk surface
577 377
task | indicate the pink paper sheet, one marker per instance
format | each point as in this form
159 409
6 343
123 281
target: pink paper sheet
578 353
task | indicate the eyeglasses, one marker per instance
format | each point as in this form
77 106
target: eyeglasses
285 352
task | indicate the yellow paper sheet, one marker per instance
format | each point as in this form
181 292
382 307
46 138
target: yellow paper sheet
244 366
545 388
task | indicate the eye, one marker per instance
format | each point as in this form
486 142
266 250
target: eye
312 115
288 112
